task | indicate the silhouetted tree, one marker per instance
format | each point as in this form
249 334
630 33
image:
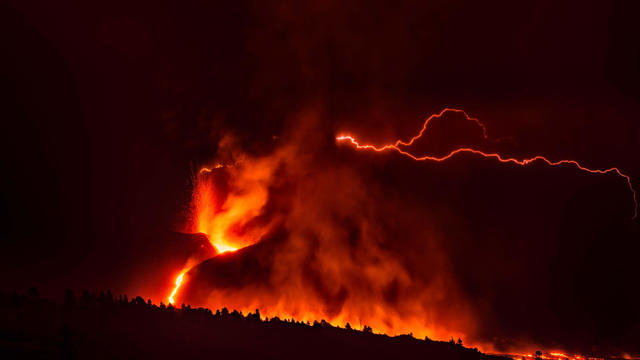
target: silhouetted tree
255 317
538 355
88 299
139 301
16 300
134 312
69 299
235 314
32 293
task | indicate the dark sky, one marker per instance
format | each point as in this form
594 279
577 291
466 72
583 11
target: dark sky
110 106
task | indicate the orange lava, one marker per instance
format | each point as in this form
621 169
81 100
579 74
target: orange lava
396 146
228 205
556 355
175 290
220 216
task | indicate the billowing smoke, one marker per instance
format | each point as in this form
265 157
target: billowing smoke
378 240
110 103
342 245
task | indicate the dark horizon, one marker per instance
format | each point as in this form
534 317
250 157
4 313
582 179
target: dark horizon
114 107
102 325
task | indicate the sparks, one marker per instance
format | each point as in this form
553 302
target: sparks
396 146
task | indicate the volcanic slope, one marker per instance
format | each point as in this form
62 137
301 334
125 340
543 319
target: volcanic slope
103 327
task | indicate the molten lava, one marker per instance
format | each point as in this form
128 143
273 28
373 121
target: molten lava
335 252
554 355
175 290
223 216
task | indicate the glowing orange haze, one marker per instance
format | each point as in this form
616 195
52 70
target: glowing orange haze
226 218
218 215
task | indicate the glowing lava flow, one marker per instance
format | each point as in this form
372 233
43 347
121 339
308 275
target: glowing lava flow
221 248
175 290
552 356
213 221
500 158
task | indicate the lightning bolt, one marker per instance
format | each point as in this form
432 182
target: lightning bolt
397 147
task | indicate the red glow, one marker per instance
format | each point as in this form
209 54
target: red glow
396 146
228 198
555 355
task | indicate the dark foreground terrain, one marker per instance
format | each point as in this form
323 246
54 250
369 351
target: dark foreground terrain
104 327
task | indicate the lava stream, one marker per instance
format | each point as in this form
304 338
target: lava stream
175 290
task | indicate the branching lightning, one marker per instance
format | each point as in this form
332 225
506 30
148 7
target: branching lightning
398 144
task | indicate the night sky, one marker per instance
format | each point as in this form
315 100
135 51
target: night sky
111 107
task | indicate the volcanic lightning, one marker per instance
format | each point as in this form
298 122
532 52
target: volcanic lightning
399 143
243 201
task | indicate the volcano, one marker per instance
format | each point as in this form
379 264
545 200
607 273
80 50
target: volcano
249 266
435 169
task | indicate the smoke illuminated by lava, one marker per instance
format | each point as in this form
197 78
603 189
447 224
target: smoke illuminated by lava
328 241
225 216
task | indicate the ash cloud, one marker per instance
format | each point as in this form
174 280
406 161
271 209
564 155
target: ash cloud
468 248
343 247
112 101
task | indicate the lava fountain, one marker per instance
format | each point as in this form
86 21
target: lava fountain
327 243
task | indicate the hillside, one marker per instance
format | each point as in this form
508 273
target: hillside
104 327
